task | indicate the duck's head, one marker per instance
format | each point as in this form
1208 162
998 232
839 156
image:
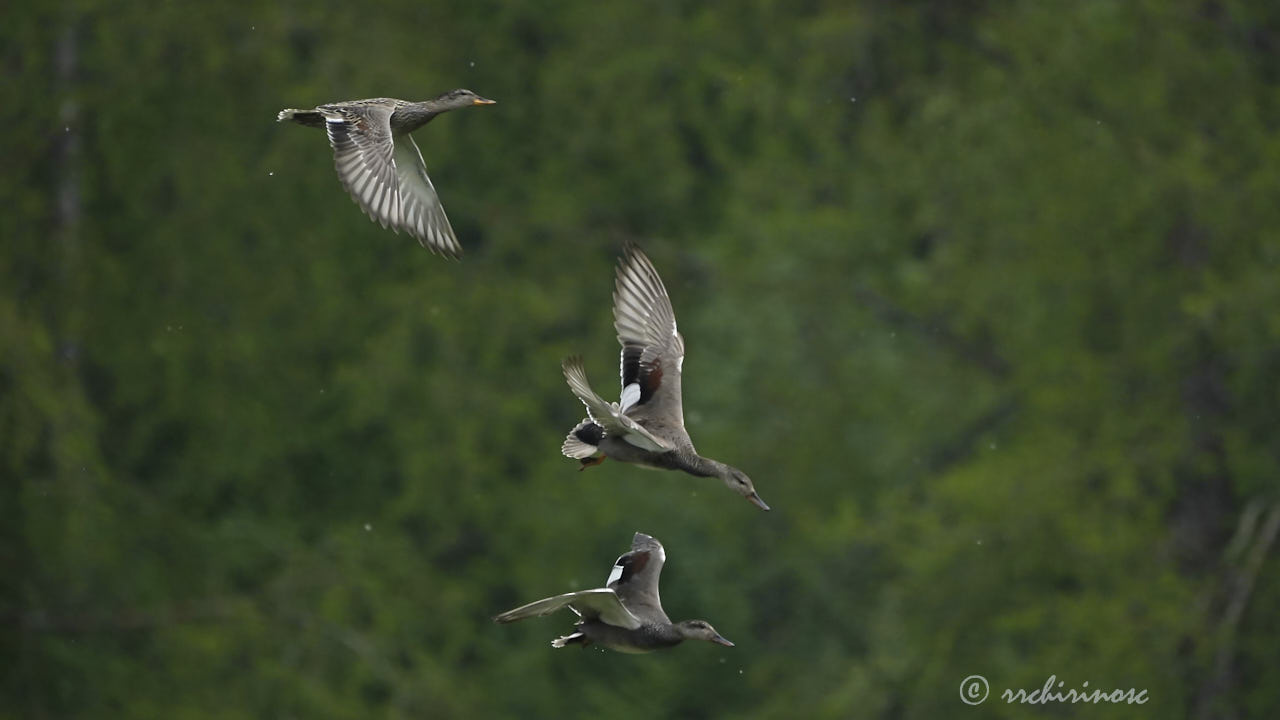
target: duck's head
738 482
701 630
461 98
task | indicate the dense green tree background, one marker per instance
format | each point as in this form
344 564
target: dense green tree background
984 296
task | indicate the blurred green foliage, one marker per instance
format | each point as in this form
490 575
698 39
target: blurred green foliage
982 295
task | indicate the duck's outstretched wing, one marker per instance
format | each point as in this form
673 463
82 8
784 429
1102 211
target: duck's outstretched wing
652 347
385 175
635 577
599 604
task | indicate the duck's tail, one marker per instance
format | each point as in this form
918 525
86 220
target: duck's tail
310 118
583 441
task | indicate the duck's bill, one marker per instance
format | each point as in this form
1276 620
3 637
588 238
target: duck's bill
720 640
755 500
483 101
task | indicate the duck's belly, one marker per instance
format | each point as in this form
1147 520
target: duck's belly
630 650
632 642
623 451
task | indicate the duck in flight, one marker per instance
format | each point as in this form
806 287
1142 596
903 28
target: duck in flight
626 615
646 426
380 165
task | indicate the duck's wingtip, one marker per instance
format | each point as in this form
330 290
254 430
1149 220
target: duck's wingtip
448 251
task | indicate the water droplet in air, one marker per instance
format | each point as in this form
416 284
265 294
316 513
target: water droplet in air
271 173
367 527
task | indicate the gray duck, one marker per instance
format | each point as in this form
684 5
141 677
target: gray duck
380 165
646 426
626 615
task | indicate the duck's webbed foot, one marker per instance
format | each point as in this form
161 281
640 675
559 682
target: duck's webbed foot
578 638
589 461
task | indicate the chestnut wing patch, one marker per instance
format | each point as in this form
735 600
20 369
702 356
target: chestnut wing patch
647 376
627 566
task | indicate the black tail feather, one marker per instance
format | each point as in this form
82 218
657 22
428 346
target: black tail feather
589 433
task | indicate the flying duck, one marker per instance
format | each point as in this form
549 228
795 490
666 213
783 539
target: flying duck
380 165
626 615
646 426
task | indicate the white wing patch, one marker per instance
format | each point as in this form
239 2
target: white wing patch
630 396
615 573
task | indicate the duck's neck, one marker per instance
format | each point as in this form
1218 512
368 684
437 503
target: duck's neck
695 464
666 635
411 116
